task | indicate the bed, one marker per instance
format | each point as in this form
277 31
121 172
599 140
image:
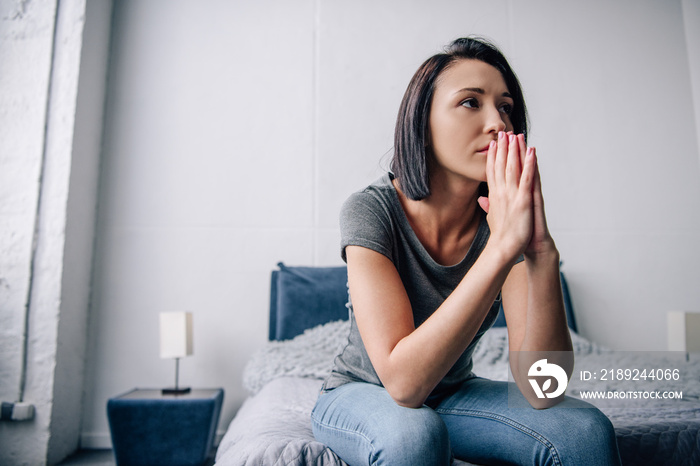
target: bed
308 327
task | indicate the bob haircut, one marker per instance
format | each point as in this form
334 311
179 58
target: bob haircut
411 137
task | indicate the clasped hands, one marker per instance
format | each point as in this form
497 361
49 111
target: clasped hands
515 206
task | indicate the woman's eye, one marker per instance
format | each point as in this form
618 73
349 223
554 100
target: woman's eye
506 108
470 103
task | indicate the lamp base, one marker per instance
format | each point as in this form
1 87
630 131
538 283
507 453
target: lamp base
175 391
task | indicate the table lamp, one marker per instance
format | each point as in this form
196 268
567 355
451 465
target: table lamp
175 342
683 331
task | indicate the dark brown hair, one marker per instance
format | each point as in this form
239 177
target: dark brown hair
411 138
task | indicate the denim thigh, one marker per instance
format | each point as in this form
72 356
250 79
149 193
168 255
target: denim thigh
363 425
490 422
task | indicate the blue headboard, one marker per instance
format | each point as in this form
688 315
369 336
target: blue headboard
304 297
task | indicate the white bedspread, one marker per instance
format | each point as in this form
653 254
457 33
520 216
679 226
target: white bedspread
273 425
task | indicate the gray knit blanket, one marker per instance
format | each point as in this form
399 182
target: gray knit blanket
311 355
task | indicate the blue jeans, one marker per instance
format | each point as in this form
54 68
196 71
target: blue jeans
478 423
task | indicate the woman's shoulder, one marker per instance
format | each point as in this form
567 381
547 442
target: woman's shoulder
372 209
376 198
367 218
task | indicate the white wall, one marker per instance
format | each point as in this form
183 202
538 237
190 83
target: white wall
691 21
23 135
25 53
52 80
236 129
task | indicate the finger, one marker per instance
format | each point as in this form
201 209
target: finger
523 149
490 162
527 180
500 159
538 200
537 185
513 170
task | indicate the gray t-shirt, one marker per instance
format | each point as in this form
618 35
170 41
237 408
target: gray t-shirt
373 218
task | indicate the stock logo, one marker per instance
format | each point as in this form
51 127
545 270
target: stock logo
542 368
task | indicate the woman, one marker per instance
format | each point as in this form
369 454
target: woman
432 249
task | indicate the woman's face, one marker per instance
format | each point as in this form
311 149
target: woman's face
471 104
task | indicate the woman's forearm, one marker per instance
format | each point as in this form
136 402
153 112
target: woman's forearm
546 328
421 359
546 334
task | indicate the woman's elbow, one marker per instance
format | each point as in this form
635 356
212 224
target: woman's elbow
408 403
407 396
539 403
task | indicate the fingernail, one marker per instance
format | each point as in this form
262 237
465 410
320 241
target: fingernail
501 134
491 144
530 151
511 138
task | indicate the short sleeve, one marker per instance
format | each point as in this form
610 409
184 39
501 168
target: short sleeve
365 221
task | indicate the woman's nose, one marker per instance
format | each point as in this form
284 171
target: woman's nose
494 121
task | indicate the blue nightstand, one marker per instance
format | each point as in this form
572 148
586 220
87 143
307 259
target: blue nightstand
150 428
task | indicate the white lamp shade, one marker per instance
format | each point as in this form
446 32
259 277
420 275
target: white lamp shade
175 334
684 331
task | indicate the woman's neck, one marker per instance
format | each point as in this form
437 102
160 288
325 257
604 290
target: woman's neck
446 221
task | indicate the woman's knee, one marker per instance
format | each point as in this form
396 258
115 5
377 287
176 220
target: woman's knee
363 425
591 441
418 437
596 427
